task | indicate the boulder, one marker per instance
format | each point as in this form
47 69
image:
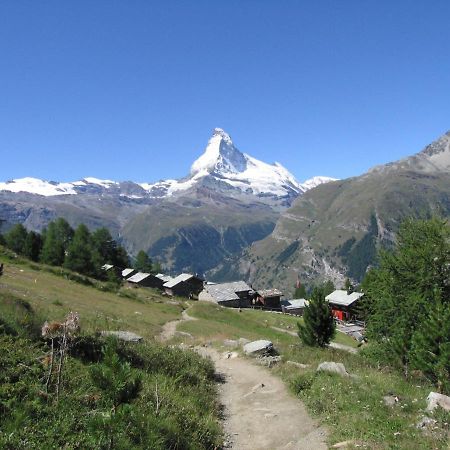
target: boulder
126 336
333 367
426 422
243 341
435 399
390 400
261 347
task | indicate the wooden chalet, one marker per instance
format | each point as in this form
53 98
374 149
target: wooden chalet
128 272
268 299
343 304
294 307
145 280
236 294
184 285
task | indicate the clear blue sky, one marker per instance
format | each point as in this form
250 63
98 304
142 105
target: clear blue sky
131 90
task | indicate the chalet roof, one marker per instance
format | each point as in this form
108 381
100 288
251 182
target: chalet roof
270 293
127 272
227 291
294 303
177 280
107 266
340 297
163 277
138 277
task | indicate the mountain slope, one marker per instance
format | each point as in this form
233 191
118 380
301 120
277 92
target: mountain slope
333 230
228 201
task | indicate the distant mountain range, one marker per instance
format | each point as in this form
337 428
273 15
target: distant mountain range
228 201
221 165
334 230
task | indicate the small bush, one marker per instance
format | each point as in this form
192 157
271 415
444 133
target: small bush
302 382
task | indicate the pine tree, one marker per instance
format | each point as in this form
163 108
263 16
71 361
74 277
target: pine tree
409 279
57 238
15 238
431 346
33 246
79 253
318 326
143 262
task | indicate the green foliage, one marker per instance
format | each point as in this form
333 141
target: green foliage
123 400
57 238
431 346
79 257
143 262
300 291
33 246
318 326
15 238
402 293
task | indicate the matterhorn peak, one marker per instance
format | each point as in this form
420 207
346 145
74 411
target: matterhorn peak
220 156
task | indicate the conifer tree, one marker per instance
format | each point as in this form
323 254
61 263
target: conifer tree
143 262
15 238
318 326
79 252
404 288
431 346
33 246
57 238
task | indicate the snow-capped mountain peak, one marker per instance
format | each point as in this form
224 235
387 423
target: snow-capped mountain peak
220 156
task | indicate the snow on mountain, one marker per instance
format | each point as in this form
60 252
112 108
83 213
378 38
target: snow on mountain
221 164
315 181
36 186
51 188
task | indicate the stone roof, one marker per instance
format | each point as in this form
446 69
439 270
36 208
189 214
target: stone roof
222 292
126 272
270 293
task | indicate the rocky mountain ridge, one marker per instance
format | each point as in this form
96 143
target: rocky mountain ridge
334 231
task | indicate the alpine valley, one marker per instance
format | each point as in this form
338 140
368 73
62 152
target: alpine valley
236 217
334 230
228 201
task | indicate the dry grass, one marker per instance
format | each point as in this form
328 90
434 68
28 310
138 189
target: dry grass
54 296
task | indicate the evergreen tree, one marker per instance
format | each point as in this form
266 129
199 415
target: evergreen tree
15 238
318 326
33 246
328 287
406 284
57 238
121 257
431 346
79 253
143 262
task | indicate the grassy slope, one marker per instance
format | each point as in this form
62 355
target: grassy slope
54 296
352 408
176 408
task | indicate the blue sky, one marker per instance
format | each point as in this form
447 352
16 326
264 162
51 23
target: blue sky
131 90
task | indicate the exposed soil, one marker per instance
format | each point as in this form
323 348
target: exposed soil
259 412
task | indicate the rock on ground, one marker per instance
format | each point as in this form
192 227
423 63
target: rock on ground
261 347
435 399
126 336
333 367
299 365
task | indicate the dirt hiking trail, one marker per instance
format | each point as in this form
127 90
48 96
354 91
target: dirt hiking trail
259 412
